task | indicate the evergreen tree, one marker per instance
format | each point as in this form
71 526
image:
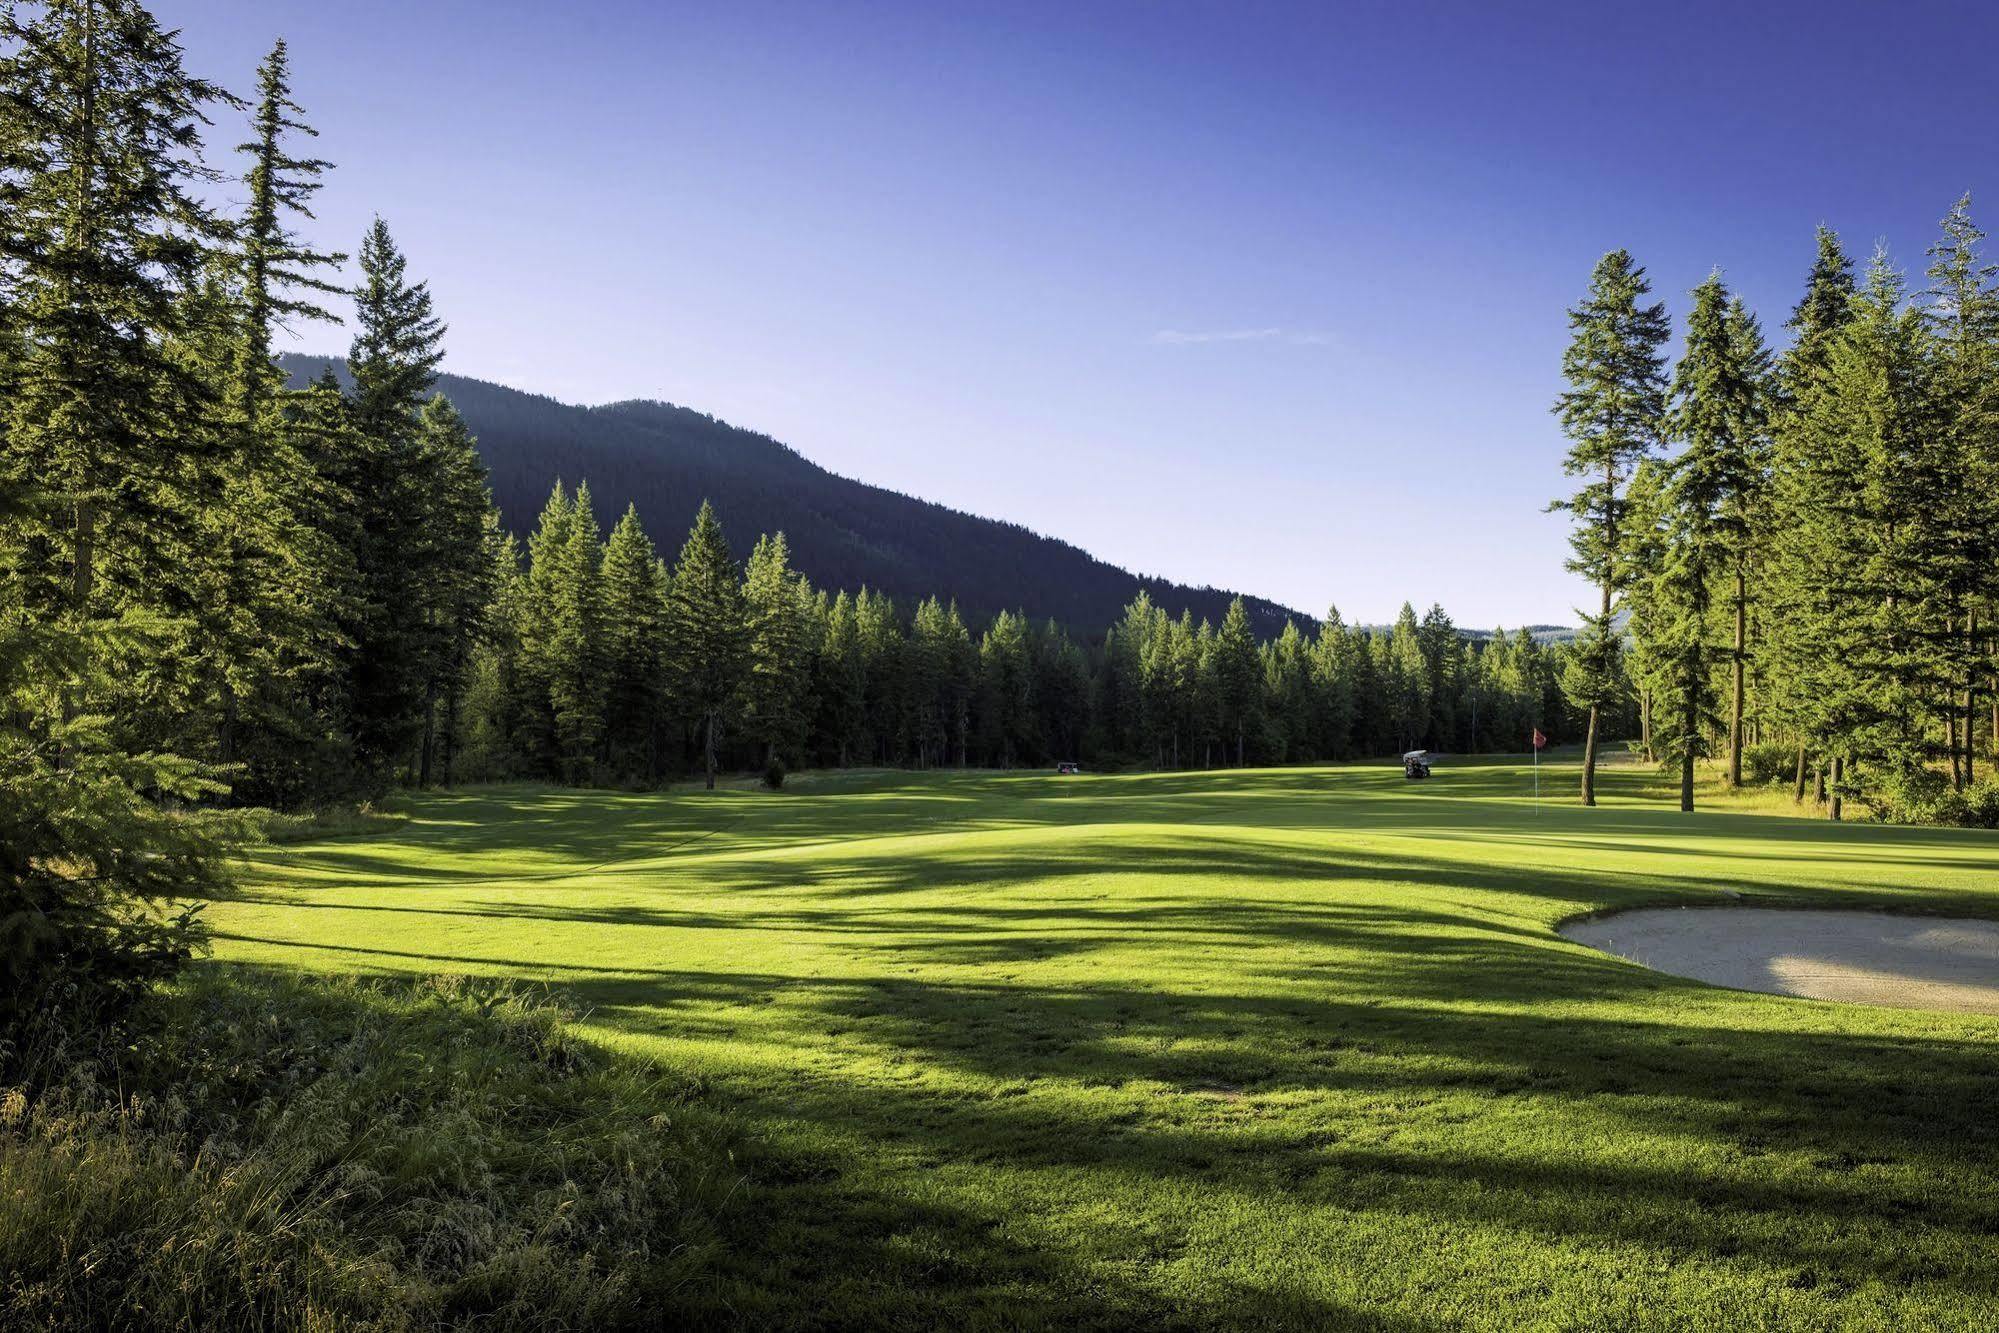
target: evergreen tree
1703 489
707 634
280 273
1006 691
1408 679
562 639
881 653
393 359
108 450
273 577
841 683
1186 686
454 567
1744 462
1795 588
1440 644
1645 540
1612 413
97 867
774 694
1238 678
104 235
1333 678
399 340
1287 691
1958 519
634 585
1061 690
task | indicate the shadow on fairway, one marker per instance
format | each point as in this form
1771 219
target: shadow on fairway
1819 1150
1359 1058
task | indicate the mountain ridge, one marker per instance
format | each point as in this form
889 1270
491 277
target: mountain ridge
843 532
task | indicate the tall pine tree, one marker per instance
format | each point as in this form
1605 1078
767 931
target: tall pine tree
1613 414
707 634
394 357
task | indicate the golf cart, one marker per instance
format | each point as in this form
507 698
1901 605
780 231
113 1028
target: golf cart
1068 768
1416 764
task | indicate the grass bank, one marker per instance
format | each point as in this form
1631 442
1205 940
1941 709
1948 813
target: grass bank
281 1152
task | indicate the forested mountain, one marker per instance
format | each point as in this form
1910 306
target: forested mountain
842 533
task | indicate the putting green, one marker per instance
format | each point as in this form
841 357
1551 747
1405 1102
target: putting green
1283 1048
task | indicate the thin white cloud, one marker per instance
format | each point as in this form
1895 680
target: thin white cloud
1186 338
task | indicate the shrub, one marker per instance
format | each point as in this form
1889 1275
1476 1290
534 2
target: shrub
1769 763
774 774
99 850
1925 796
290 1153
1981 804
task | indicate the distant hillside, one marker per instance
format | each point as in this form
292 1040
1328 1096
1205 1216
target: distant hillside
843 533
1539 633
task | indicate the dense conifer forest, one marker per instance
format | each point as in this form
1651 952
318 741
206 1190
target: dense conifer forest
1797 552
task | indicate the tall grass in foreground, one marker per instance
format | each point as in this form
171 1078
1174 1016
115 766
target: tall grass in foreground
283 1153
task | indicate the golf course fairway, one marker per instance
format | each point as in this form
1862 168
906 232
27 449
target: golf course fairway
1270 1048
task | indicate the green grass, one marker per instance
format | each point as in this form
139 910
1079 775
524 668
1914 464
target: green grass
1274 1048
283 1152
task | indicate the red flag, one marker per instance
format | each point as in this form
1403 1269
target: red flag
1540 741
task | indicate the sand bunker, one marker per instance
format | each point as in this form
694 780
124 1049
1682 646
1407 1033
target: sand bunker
1907 962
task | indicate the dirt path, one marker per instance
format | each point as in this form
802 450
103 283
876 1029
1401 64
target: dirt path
1907 962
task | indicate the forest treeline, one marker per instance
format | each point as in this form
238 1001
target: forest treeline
306 592
1806 542
597 661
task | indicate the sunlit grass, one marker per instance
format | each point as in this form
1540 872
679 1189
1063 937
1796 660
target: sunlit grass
1272 1048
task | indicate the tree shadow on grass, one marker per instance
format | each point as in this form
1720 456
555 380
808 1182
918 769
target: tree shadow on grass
1852 1158
1805 1149
1447 1063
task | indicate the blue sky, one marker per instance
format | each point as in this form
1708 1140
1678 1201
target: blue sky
1266 296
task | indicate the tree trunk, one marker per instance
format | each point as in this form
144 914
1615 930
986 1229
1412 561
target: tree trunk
225 735
1689 732
1951 740
1589 759
1595 709
709 747
1238 743
1838 778
81 582
1818 783
1736 683
450 734
429 740
1798 788
1645 726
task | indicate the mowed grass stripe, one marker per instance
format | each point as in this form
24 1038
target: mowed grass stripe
1266 1048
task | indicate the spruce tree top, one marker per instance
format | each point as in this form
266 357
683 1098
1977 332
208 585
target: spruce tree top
399 342
1614 405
